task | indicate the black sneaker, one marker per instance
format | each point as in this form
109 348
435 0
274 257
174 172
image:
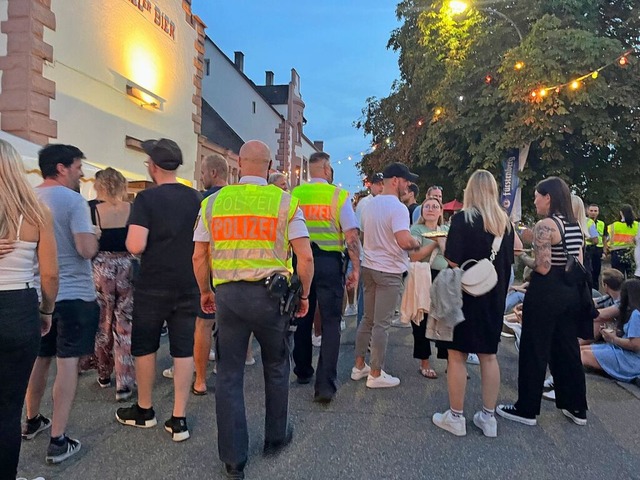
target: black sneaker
510 412
177 427
136 417
274 448
104 382
579 417
234 472
58 453
123 394
34 426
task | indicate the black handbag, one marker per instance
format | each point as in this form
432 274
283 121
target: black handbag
574 271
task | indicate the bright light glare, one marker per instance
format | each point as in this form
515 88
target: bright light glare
457 7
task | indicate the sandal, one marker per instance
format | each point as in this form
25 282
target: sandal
428 373
198 393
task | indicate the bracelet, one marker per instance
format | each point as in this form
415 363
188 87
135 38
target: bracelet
45 313
304 298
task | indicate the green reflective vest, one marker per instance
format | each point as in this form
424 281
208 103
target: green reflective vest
600 228
321 204
249 232
621 235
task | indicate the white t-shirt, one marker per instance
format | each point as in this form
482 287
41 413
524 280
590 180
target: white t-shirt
360 208
384 216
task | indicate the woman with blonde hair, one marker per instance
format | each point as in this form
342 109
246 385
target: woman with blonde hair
26 234
112 272
471 236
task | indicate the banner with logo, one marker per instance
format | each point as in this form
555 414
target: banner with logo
510 197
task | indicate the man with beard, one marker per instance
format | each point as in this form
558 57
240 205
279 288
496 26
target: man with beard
75 316
161 229
386 241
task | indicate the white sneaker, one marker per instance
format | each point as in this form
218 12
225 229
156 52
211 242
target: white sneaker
37 478
316 341
383 381
167 372
250 361
549 395
446 421
398 324
212 355
360 373
343 325
472 359
487 423
548 383
351 310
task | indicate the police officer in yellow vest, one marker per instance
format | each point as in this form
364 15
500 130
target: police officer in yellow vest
244 239
332 224
595 248
622 236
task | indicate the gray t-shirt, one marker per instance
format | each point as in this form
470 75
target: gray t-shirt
71 215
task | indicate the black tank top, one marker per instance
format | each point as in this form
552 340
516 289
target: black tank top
112 239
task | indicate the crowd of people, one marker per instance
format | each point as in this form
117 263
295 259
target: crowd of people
93 285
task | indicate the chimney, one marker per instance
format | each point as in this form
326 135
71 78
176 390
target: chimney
269 78
319 144
239 60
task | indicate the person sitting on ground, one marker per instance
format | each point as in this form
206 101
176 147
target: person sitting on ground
609 303
619 357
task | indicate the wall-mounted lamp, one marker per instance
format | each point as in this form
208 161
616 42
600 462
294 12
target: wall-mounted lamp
145 98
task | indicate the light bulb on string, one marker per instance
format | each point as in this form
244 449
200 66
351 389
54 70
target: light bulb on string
543 92
519 65
575 85
623 61
594 75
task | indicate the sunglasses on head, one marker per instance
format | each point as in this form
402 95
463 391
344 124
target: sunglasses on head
435 187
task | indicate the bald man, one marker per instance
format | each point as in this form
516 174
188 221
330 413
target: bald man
243 238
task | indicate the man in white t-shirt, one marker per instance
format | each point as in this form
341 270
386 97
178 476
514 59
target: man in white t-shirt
375 187
386 241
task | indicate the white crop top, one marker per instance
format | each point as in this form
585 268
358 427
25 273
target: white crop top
16 268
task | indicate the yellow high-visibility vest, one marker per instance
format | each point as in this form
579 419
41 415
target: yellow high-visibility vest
600 228
321 204
249 232
621 235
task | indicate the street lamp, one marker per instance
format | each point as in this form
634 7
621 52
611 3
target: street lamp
458 7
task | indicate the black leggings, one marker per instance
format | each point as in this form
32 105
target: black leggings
20 341
421 344
549 336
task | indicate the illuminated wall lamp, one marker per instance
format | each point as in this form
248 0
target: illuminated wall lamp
145 99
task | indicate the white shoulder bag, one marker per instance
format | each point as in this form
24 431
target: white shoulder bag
481 277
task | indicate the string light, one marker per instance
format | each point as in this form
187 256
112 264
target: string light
488 79
575 85
519 65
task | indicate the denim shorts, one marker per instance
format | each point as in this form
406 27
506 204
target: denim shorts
151 308
73 330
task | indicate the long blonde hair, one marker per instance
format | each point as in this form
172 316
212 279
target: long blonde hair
481 198
577 205
16 195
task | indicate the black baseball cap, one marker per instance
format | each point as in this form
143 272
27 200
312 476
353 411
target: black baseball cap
377 177
164 153
399 170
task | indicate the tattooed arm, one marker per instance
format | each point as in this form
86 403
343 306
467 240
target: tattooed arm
352 239
543 233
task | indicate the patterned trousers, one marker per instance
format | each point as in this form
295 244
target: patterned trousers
112 276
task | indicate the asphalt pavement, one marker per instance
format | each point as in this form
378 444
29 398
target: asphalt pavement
363 434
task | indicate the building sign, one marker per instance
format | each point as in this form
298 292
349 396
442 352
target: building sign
155 14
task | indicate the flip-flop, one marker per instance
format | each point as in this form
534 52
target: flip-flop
198 393
429 373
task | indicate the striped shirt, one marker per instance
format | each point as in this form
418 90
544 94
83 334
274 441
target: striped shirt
574 239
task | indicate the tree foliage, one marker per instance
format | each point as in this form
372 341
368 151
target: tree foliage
459 103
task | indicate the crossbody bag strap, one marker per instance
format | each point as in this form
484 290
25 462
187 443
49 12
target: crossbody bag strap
561 230
495 247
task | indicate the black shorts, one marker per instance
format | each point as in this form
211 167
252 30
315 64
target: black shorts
151 308
73 330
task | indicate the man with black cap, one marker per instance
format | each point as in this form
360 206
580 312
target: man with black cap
161 229
375 187
386 241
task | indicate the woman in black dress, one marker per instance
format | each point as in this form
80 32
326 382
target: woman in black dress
471 235
550 313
